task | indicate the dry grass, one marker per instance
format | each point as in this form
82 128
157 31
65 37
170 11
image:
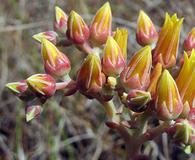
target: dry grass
70 127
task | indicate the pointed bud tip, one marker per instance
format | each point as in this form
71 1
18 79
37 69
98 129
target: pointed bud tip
12 87
142 13
58 9
107 5
74 14
110 40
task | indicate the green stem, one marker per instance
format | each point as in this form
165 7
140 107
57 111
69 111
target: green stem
111 110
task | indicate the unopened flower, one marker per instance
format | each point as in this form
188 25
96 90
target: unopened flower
185 82
155 75
168 42
121 37
33 111
89 78
113 61
61 19
101 25
168 101
17 87
55 63
42 85
20 89
49 35
189 42
78 30
146 32
183 131
137 73
137 100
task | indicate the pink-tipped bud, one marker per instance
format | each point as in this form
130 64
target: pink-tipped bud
20 89
49 35
89 78
137 73
32 112
146 32
60 22
168 101
189 42
56 63
17 87
137 100
77 30
42 85
101 25
113 61
121 37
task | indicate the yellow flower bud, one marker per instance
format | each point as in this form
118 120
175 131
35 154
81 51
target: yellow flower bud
101 25
121 37
78 30
168 101
185 81
146 32
89 78
113 61
55 62
137 73
42 85
61 19
168 42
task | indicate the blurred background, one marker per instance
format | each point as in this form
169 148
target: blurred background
69 128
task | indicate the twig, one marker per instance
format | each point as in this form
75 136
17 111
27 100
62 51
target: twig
25 26
11 28
77 138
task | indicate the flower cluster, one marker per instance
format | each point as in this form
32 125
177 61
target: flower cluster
150 83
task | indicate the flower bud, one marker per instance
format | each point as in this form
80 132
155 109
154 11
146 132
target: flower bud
101 25
121 37
17 87
42 85
77 30
137 100
168 42
20 89
60 23
56 63
184 131
189 42
32 112
137 74
49 35
185 82
89 78
146 32
113 61
155 75
168 101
